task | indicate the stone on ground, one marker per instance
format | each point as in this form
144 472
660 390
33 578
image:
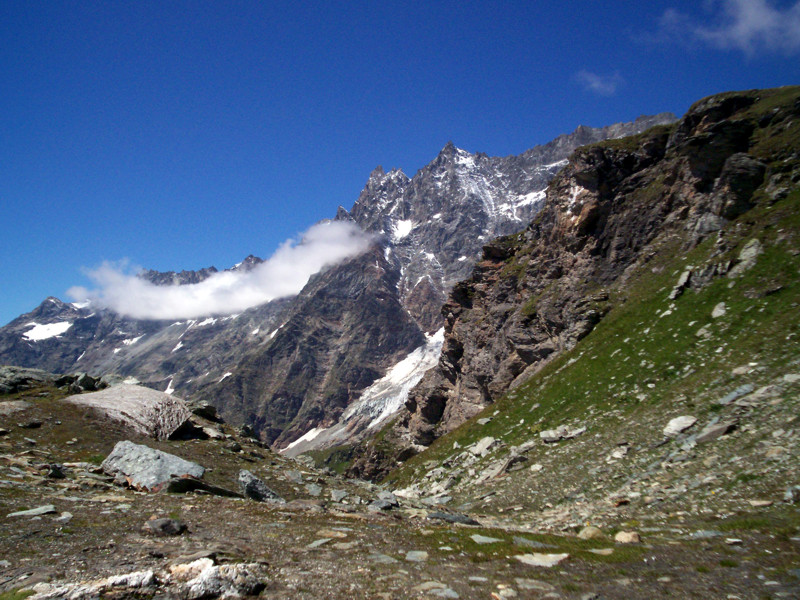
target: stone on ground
541 560
145 468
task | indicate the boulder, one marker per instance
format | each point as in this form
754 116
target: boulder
537 559
255 489
627 537
144 468
590 532
747 258
204 409
47 509
551 436
482 446
712 432
678 425
164 527
146 411
388 497
452 518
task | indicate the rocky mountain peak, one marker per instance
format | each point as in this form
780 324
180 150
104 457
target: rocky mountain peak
173 278
248 263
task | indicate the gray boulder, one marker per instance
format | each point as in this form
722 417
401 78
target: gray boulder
164 527
255 489
146 411
147 469
452 518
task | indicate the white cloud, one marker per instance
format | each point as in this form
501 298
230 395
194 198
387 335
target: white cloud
751 26
283 274
604 85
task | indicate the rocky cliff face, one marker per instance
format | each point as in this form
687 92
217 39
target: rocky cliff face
534 295
292 366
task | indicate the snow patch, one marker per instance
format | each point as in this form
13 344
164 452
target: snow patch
228 374
255 331
401 229
464 158
42 332
83 304
462 258
132 341
170 389
574 192
531 198
555 165
178 346
385 397
378 402
307 437
209 321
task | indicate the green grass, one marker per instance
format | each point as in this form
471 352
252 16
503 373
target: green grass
727 562
336 458
460 540
16 594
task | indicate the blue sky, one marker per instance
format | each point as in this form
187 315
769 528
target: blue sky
179 135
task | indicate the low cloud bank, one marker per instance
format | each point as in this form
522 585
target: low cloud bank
283 274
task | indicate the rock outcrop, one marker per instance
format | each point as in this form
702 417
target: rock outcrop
536 294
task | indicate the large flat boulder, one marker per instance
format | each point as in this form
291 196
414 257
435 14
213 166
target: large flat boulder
146 411
147 469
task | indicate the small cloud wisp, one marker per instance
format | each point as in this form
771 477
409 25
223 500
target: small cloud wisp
752 26
603 85
227 292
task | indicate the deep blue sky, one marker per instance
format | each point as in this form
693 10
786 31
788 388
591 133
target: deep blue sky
185 134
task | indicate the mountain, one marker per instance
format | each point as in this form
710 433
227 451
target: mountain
293 367
659 277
